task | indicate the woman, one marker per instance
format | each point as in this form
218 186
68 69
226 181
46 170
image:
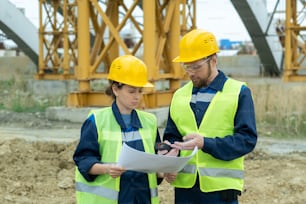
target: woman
98 178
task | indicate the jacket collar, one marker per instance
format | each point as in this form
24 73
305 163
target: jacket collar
135 122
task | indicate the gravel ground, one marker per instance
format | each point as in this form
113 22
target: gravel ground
37 166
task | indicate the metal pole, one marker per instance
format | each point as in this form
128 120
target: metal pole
82 68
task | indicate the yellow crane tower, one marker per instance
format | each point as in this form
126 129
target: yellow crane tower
79 39
295 47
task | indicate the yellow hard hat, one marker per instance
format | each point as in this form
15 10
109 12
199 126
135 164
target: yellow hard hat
129 70
197 44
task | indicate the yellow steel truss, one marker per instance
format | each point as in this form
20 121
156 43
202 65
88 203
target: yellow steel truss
79 39
295 49
57 39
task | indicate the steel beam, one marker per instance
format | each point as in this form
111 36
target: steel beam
295 48
82 42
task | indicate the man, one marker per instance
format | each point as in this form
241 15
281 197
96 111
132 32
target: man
216 114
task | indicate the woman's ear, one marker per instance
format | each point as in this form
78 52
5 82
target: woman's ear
115 89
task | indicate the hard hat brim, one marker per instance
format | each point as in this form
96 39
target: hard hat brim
179 59
148 85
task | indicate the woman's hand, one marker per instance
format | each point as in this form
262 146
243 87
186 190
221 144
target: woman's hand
115 171
170 177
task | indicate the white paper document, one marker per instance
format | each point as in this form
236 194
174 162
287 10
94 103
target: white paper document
133 159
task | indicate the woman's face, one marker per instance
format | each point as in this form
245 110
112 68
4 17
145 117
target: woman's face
127 98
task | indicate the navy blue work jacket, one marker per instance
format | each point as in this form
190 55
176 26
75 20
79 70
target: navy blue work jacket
230 147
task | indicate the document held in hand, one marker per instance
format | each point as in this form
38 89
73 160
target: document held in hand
133 159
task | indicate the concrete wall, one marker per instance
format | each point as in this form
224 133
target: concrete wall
22 67
16 67
240 66
272 97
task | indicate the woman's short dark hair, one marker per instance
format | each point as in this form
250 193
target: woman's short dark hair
109 89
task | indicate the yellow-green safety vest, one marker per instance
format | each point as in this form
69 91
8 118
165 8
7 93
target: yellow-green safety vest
214 174
105 189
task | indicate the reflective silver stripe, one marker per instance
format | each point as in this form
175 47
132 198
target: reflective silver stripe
191 169
202 97
214 172
154 192
130 136
97 190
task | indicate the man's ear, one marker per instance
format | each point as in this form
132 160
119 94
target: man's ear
214 59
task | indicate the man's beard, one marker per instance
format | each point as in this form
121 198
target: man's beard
203 82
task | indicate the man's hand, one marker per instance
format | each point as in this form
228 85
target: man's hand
190 142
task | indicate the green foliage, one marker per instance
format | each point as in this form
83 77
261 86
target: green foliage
280 108
27 105
6 84
15 96
293 126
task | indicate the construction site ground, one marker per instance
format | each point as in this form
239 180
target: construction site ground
36 164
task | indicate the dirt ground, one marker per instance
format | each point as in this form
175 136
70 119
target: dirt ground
36 165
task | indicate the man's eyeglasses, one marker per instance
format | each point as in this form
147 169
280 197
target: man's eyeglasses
195 67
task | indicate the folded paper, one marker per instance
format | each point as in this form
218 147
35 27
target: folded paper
133 159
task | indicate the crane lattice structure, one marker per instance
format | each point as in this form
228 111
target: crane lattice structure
291 30
295 36
79 39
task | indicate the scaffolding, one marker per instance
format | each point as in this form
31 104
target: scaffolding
79 40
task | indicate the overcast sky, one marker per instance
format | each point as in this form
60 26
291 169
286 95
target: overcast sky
223 20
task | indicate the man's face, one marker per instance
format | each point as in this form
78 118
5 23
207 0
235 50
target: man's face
200 72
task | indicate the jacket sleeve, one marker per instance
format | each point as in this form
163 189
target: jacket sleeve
87 152
244 138
171 132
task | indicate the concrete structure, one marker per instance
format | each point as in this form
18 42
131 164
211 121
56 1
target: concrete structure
252 12
77 115
20 29
244 66
241 65
257 21
12 67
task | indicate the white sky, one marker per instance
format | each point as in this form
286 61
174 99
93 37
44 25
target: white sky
31 9
217 16
223 20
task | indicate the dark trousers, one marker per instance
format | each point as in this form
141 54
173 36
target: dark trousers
195 196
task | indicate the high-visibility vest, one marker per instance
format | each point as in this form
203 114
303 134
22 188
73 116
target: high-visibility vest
105 189
214 174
